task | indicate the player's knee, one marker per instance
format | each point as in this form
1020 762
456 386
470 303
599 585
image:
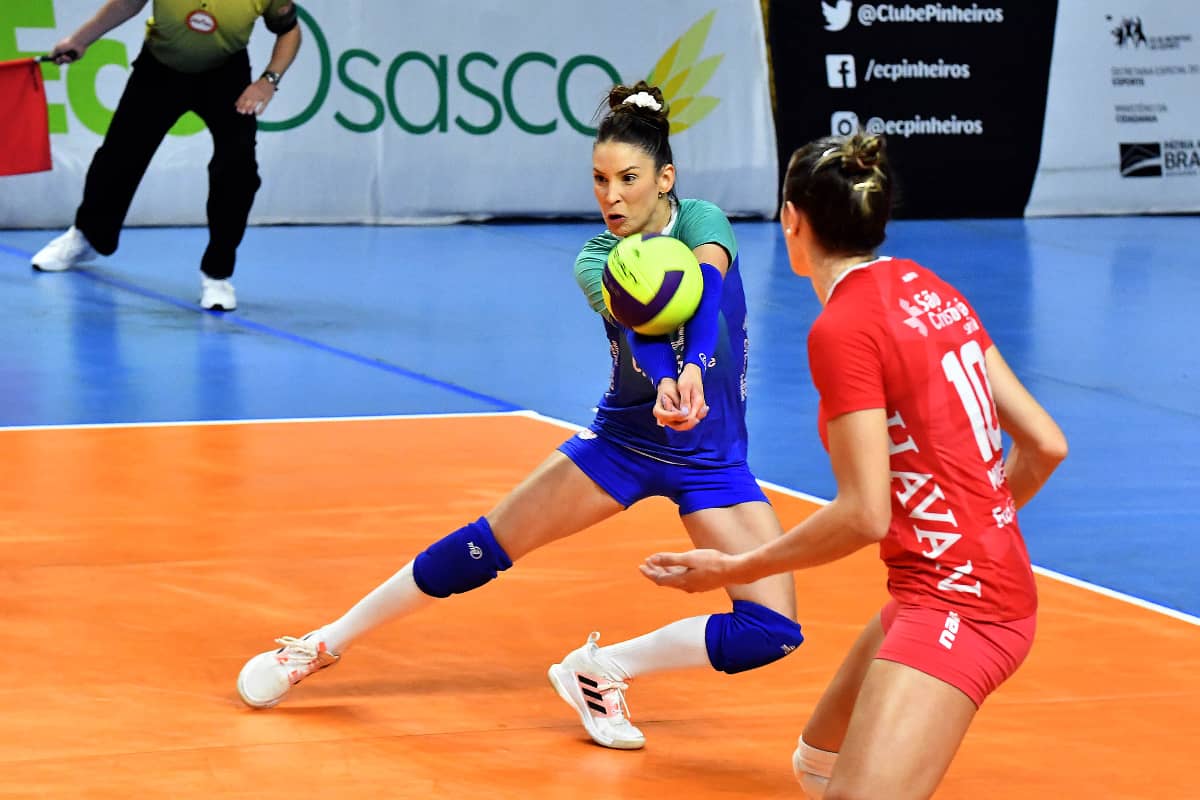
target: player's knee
461 561
813 768
751 636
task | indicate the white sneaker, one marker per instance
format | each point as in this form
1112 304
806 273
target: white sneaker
595 688
268 676
216 295
64 252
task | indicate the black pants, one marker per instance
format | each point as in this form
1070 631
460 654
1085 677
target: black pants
154 98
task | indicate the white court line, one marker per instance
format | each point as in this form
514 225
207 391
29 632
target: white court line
83 426
1048 573
1113 593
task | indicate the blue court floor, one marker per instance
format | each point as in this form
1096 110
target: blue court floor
1095 314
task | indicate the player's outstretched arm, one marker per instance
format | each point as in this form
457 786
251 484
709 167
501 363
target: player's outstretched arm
1039 445
858 516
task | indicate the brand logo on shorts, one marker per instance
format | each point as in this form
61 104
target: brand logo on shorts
587 434
202 21
475 550
946 640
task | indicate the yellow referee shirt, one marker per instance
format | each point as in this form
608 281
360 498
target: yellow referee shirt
197 35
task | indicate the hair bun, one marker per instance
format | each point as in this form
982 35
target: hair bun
639 98
863 153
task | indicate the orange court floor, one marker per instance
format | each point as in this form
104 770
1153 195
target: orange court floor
145 563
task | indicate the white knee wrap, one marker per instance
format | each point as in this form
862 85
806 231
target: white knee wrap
812 768
813 786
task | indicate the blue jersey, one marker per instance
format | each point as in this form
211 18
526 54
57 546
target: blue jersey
625 414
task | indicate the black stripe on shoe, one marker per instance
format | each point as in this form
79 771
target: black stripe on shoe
596 708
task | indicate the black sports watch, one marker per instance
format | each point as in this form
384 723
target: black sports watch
272 78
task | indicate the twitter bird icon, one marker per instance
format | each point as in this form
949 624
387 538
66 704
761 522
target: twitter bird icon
837 15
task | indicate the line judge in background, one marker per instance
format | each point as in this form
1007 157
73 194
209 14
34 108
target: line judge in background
194 59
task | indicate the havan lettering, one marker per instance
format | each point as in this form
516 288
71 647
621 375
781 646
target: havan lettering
925 503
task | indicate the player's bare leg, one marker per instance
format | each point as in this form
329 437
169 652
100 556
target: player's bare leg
817 749
903 734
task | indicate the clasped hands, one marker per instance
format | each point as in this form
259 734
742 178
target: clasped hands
680 405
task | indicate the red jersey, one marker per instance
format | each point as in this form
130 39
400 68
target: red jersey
894 336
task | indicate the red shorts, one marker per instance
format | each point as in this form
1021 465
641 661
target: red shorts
973 657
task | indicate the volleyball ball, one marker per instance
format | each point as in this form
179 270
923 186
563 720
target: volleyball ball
652 283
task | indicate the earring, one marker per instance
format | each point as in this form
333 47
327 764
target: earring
788 231
661 195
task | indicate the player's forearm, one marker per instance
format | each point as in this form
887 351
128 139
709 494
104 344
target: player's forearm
832 532
284 52
110 15
1028 468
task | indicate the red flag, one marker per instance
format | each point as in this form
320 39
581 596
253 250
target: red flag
24 121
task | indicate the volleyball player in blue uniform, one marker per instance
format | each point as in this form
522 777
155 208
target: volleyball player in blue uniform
672 424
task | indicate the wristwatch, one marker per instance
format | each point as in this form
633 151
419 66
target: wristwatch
272 78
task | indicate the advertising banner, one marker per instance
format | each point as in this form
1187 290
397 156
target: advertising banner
398 112
958 88
1123 110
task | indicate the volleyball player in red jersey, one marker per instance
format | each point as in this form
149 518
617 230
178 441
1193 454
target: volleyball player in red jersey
913 398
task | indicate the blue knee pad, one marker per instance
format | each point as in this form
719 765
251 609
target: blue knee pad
752 636
460 562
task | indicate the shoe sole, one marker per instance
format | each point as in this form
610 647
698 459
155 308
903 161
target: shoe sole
563 681
253 704
65 265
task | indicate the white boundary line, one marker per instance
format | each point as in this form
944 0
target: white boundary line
264 421
1113 593
534 415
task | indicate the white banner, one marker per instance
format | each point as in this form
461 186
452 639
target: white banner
1122 132
398 112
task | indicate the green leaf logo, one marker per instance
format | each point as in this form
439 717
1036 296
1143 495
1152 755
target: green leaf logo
682 77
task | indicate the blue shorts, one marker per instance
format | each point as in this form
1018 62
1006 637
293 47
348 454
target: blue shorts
629 476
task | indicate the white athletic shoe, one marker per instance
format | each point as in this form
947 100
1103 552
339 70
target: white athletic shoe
268 676
595 688
64 252
216 295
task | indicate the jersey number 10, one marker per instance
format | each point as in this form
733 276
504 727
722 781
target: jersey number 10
965 369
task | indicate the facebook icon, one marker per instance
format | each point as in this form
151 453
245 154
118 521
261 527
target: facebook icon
840 71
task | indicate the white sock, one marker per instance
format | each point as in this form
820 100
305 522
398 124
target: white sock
675 646
395 597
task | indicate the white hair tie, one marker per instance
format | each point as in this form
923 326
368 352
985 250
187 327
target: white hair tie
643 99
